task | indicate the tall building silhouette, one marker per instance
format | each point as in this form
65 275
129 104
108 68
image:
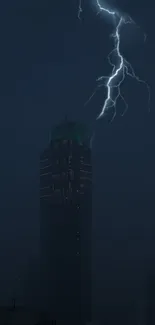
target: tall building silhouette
66 223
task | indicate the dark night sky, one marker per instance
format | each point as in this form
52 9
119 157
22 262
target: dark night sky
49 61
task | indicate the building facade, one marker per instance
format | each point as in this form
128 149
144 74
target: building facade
66 223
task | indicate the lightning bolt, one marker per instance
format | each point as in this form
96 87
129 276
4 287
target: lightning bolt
119 70
80 9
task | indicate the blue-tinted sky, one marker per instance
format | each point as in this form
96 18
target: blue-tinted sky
49 61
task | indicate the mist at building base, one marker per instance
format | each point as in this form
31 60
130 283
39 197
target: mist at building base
123 268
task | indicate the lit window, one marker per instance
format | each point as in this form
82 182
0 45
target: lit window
44 160
71 174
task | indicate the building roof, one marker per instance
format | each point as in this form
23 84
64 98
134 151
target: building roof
71 131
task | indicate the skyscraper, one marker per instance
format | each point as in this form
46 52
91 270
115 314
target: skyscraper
66 223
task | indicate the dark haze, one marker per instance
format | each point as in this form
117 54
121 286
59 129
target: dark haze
49 61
